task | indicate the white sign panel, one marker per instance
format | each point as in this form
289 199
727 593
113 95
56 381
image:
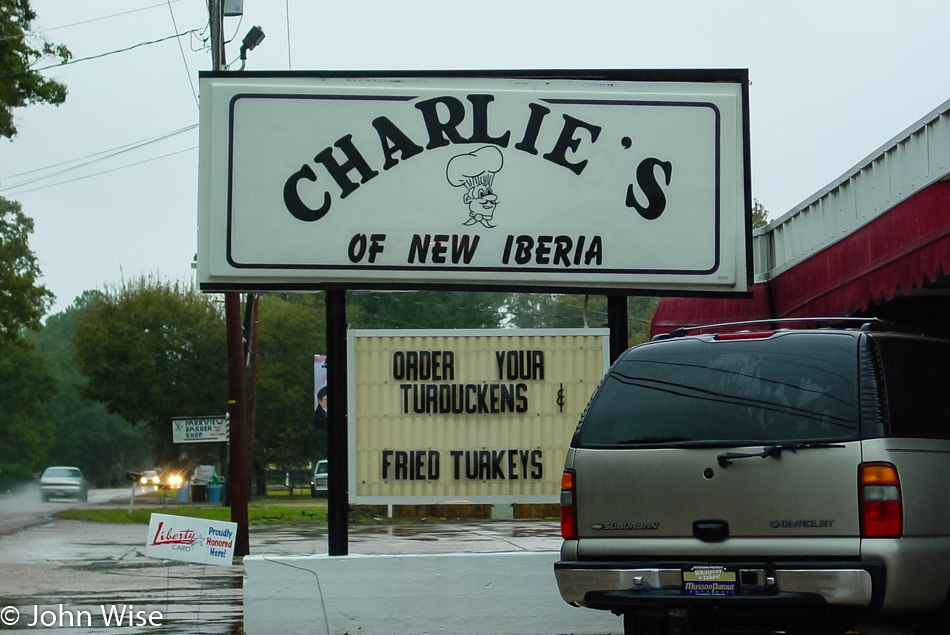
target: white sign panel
422 180
459 416
191 539
199 429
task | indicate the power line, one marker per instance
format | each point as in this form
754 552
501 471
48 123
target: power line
108 154
101 55
181 49
106 17
89 176
290 65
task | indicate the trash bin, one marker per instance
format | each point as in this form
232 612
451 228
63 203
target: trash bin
182 494
199 493
214 493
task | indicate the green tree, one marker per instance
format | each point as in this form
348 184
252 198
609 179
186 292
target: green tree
292 330
21 50
540 310
425 309
760 215
27 384
151 351
26 379
85 434
23 302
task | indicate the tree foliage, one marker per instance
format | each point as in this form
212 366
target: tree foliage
151 351
540 310
23 302
26 386
425 309
21 50
85 434
292 330
760 215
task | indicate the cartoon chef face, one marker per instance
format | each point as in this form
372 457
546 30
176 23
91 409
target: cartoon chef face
475 171
481 201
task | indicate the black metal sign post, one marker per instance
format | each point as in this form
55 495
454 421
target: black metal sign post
617 323
337 453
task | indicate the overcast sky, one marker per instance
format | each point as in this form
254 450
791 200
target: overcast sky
110 177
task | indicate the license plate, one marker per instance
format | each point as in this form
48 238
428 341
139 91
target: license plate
710 581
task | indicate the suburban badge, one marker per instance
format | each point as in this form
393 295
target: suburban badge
626 526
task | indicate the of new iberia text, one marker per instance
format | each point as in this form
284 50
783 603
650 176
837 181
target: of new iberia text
561 251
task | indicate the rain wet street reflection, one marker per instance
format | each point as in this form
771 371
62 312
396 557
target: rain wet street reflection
92 576
67 576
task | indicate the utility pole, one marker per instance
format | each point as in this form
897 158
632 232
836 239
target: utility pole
216 20
250 352
238 481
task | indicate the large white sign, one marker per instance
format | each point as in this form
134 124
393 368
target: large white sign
191 539
422 180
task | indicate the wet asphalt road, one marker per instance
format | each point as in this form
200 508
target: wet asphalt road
24 508
61 576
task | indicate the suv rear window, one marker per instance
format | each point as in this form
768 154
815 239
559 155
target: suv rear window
786 387
916 373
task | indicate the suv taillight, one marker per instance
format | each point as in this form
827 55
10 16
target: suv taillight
568 505
882 510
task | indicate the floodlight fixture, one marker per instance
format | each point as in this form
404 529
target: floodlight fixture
254 37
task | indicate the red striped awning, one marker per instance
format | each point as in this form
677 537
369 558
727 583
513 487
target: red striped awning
896 252
674 313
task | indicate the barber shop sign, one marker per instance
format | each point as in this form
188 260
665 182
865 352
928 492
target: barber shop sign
533 180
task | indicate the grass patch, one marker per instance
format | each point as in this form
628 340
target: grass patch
284 493
257 514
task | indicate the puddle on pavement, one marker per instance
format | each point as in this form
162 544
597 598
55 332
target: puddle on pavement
309 540
208 615
184 598
207 599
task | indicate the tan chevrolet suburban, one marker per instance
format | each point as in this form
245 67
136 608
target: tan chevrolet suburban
776 481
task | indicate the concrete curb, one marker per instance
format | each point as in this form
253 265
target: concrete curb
459 593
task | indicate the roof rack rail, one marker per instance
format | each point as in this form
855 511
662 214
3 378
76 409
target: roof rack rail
866 324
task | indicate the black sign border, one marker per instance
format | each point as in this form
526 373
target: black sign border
739 76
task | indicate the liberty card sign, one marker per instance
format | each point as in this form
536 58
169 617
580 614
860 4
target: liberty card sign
609 180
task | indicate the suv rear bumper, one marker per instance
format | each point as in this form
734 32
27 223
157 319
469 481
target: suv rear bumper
607 585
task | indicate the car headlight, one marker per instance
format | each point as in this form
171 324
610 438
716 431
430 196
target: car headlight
156 480
143 480
174 481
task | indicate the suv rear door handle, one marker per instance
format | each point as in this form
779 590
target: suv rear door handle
710 530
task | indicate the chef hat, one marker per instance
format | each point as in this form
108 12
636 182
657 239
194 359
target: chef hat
475 167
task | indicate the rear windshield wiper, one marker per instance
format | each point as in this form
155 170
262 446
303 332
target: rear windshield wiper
652 440
774 450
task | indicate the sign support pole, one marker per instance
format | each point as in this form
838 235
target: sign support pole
337 454
238 483
617 323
